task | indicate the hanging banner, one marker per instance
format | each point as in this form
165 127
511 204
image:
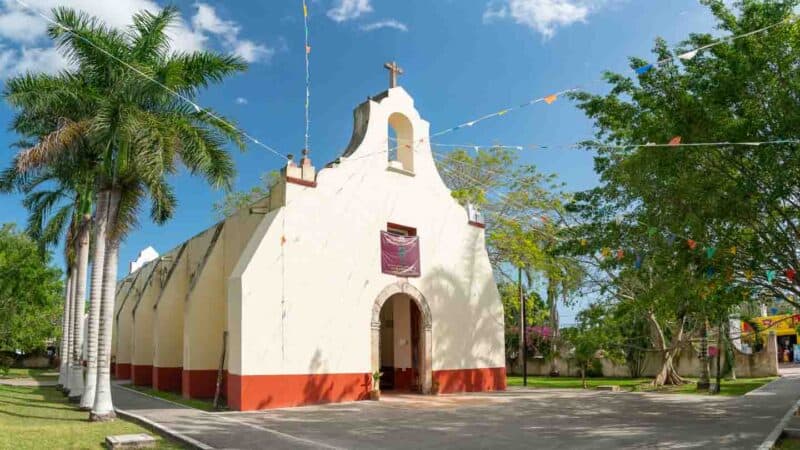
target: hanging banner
400 255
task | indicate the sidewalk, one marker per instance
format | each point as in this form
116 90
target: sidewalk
202 429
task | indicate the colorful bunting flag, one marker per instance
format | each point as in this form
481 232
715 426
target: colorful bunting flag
620 254
550 99
710 272
670 238
502 113
283 240
305 10
710 251
584 242
748 275
644 69
692 244
308 49
675 141
732 250
605 251
688 55
790 274
771 275
638 263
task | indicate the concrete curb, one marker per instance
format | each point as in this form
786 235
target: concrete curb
773 436
193 443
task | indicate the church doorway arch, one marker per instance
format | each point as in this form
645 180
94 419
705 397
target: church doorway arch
401 338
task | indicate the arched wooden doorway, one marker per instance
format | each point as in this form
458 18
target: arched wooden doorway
421 341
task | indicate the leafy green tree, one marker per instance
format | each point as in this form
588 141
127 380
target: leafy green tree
524 210
30 293
233 201
138 126
591 339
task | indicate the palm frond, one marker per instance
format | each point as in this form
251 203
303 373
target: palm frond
149 40
51 146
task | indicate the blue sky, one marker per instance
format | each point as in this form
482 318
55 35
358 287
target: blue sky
462 59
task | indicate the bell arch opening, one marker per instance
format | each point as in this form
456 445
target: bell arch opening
401 142
401 339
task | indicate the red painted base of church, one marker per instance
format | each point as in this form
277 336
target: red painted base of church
167 378
201 383
123 371
470 380
114 370
252 392
142 375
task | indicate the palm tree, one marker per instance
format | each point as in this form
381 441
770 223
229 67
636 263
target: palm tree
122 99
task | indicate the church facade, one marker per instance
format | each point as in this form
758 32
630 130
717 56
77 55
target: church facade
366 266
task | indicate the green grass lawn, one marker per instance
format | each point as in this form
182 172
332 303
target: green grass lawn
205 405
38 374
787 444
736 387
40 417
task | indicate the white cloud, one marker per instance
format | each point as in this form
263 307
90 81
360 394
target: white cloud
391 23
241 101
349 9
543 16
27 47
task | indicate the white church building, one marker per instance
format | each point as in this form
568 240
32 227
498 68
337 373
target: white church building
368 265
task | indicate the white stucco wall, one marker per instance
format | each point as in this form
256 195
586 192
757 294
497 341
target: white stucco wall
305 306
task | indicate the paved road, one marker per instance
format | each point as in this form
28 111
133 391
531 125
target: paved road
542 419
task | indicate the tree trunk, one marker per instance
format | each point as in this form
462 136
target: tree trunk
103 408
78 308
667 374
95 300
66 327
704 383
583 377
552 301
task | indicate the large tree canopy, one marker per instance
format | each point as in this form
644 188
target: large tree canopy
30 293
733 209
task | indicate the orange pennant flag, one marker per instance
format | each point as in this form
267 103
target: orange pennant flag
692 244
620 254
675 141
550 99
283 240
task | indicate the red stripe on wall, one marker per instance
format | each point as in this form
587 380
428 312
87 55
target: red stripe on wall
253 392
470 380
142 375
123 371
167 378
201 383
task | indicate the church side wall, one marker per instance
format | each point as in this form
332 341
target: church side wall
122 292
142 329
168 328
124 321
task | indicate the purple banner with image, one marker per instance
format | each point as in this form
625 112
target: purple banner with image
400 255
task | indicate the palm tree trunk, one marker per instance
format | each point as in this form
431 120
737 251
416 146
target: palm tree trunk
66 325
76 368
103 408
95 300
704 383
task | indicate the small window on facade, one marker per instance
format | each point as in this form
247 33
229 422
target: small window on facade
400 230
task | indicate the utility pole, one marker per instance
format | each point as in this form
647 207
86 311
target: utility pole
523 351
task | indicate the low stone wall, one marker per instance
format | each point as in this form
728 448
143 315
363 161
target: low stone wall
760 364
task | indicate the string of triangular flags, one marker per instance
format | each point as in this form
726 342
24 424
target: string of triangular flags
676 141
689 55
549 99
